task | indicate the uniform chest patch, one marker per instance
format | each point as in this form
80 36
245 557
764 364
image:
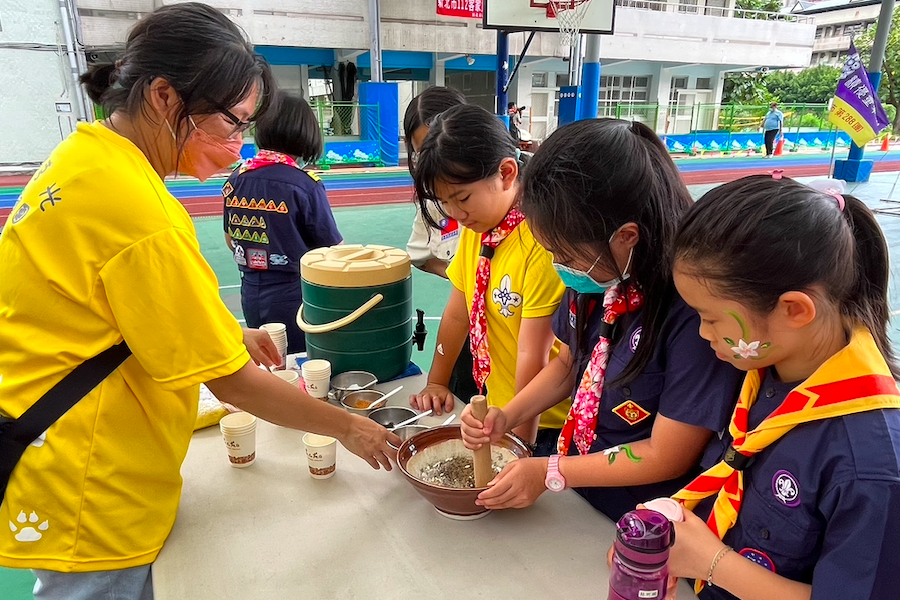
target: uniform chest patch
759 557
631 412
786 488
635 339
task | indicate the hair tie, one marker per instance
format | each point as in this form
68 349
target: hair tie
832 187
777 174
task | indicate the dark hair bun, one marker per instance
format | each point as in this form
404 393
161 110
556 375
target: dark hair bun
97 80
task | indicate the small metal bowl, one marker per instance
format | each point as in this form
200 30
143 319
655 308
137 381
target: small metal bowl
407 432
390 416
358 402
351 381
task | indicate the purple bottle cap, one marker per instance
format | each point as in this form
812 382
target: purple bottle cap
644 536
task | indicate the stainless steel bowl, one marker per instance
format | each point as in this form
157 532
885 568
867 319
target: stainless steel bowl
354 401
351 381
407 432
390 416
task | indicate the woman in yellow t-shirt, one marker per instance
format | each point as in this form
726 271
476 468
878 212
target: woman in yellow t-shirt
505 289
97 251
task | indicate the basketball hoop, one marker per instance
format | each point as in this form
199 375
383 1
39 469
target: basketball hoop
568 14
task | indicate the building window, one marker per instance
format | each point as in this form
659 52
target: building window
704 83
625 89
688 6
562 79
539 80
819 32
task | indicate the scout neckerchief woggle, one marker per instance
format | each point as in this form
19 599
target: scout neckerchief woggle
264 158
478 343
856 379
581 423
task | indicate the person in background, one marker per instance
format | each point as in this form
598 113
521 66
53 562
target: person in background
275 212
603 196
97 252
432 249
515 121
791 284
773 124
505 290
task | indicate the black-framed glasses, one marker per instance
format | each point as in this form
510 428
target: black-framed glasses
239 126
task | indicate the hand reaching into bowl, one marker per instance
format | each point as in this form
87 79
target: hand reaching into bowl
371 442
475 433
435 397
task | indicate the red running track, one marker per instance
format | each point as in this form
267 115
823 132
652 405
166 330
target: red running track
211 206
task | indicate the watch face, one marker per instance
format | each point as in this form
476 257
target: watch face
555 485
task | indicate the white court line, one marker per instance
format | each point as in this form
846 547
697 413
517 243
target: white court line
895 313
228 287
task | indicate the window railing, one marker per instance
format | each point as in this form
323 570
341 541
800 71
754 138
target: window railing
695 8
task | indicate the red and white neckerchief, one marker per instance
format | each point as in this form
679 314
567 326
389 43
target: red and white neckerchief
264 158
478 342
581 422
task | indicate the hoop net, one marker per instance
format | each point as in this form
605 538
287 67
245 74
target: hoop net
568 14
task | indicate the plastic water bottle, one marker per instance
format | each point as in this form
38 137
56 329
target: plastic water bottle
639 572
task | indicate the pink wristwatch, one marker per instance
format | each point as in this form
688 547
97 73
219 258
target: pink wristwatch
555 482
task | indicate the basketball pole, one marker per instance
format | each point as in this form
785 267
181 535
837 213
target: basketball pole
502 73
590 77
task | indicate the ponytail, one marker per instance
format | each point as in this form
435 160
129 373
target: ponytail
98 80
867 301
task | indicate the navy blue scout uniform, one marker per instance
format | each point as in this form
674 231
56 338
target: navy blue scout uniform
275 214
822 504
684 381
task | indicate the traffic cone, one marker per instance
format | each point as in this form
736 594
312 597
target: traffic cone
780 147
886 143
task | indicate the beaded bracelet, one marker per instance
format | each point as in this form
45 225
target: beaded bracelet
715 561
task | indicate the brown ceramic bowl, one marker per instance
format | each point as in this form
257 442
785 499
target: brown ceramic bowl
454 503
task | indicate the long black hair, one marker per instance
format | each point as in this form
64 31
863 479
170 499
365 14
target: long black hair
464 144
290 127
197 49
587 180
422 109
758 237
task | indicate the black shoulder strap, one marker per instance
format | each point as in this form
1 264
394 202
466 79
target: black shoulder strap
66 394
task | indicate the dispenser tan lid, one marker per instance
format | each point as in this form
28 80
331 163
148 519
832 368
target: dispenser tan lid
355 265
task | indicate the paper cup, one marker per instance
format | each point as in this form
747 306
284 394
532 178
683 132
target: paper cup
278 333
317 377
239 431
292 377
321 454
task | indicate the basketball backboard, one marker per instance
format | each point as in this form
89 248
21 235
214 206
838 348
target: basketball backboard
537 15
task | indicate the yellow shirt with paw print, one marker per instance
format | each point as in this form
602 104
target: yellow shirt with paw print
97 250
523 285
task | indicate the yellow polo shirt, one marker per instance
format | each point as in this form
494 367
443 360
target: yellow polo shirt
96 250
523 285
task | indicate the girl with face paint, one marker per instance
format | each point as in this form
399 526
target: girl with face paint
604 198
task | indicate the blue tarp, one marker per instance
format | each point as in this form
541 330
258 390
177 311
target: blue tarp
725 141
381 123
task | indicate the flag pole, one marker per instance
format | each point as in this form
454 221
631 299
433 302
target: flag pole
833 143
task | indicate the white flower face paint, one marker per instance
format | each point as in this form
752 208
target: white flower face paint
745 350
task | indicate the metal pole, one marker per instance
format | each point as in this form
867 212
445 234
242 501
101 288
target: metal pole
65 22
877 58
375 41
502 71
519 62
590 77
575 61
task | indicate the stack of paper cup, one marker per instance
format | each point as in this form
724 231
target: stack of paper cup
292 377
321 454
317 377
239 431
278 333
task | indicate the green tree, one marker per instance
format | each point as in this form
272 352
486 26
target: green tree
813 85
889 90
746 88
756 5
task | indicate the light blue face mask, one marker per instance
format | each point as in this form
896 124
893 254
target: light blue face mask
583 283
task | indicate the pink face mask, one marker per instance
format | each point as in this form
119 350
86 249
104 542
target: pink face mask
204 154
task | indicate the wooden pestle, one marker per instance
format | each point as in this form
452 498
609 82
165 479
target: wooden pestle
483 469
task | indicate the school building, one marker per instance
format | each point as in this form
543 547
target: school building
663 54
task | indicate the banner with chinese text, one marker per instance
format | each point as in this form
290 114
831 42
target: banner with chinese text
856 108
469 9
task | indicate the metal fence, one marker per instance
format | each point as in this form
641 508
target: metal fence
694 7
